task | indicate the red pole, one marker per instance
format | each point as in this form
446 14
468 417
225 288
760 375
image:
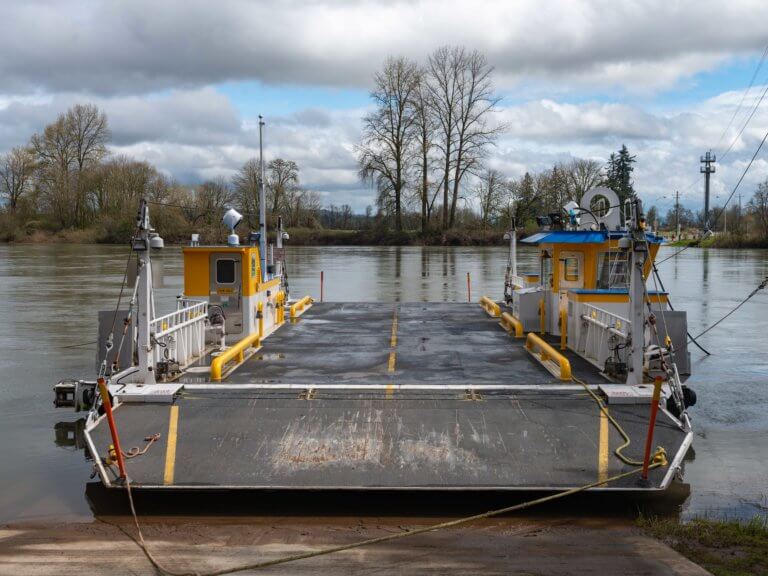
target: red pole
651 425
112 427
322 274
469 289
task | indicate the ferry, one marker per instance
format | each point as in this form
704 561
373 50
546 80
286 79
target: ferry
574 378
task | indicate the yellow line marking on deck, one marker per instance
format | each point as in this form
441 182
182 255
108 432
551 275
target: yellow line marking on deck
393 342
390 391
391 363
170 451
602 458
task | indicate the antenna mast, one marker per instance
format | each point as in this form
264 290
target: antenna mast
637 246
262 206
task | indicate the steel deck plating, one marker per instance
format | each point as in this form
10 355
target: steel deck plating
387 396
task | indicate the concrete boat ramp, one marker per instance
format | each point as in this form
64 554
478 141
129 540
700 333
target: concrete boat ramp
386 397
501 546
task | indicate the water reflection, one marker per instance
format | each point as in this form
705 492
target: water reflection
70 434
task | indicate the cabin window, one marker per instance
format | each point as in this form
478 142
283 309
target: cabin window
225 271
612 268
571 269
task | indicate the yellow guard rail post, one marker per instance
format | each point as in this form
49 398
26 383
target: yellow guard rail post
299 306
546 352
490 306
563 329
280 304
509 323
238 350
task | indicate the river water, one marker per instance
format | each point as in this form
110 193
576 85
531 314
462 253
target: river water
50 294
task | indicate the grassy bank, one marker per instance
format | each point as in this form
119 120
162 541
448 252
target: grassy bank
725 548
298 237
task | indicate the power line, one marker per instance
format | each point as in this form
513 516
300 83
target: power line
743 97
720 213
749 118
738 108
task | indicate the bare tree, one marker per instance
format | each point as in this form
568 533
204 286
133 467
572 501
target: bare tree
17 169
758 208
246 183
303 207
283 175
388 133
89 131
490 191
583 175
463 100
424 135
66 149
54 153
212 197
443 84
116 185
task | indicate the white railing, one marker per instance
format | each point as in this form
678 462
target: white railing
180 335
602 333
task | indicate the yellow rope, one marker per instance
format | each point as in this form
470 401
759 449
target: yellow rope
658 460
619 452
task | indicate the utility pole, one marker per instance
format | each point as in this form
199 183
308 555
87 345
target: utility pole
677 214
738 217
262 206
708 159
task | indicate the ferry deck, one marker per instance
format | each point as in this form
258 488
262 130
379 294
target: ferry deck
383 396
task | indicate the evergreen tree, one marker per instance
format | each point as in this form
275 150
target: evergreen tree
618 173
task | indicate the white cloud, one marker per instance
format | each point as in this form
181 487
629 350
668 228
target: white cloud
134 46
152 67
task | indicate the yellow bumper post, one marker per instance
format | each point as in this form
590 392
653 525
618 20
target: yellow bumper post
563 329
510 323
299 306
535 343
236 351
490 306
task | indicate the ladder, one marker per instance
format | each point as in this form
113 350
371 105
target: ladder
618 275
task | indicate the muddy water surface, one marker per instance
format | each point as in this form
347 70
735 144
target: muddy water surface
50 295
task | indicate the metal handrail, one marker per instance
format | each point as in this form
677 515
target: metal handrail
601 328
606 320
163 325
181 334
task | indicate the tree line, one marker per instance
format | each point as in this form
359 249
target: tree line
64 178
424 147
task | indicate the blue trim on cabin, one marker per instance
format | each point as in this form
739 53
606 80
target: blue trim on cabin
582 237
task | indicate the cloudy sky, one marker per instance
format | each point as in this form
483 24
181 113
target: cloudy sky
184 81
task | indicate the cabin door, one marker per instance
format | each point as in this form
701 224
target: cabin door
227 289
570 275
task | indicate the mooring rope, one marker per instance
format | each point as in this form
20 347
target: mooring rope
659 460
761 286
